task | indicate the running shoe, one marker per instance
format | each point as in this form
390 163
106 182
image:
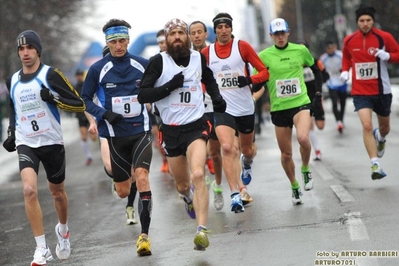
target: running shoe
318 155
307 180
207 182
63 248
218 201
89 161
236 203
245 197
376 172
189 208
113 190
340 127
165 167
296 196
380 144
130 217
201 241
246 172
143 245
41 256
211 169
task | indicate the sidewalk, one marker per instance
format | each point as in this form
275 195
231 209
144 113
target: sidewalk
9 160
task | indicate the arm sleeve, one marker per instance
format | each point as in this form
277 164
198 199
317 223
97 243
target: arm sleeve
148 93
317 76
249 55
208 79
68 99
392 48
346 57
11 110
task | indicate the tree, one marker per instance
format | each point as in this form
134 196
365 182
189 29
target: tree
53 20
318 19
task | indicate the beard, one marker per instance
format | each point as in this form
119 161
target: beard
179 51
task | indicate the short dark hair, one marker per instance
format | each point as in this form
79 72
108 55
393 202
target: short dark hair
196 22
116 22
161 32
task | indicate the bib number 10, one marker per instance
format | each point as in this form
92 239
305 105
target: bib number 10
185 97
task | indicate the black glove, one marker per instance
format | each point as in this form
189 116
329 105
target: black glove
219 104
46 95
256 87
112 118
244 81
176 82
9 143
316 103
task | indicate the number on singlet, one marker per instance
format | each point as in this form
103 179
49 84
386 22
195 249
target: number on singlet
366 72
126 107
288 89
35 126
185 97
230 82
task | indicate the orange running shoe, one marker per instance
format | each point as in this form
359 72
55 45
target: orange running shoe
209 162
165 167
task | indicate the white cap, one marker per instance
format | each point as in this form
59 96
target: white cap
278 24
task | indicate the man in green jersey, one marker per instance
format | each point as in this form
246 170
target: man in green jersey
290 104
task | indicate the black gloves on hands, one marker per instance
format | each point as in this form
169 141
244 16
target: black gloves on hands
244 81
316 104
112 118
9 143
176 82
46 95
219 104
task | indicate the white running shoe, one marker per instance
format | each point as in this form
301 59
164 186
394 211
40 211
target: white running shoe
296 196
380 144
218 201
41 256
63 248
246 172
130 217
307 180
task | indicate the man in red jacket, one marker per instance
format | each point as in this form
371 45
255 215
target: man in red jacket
368 51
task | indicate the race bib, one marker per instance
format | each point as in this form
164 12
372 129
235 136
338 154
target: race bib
227 80
184 96
34 124
367 70
128 106
288 87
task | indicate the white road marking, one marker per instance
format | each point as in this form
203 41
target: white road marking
342 193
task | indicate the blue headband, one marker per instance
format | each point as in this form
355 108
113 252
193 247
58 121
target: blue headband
117 32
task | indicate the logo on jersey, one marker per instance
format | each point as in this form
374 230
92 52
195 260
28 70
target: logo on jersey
372 51
110 85
226 67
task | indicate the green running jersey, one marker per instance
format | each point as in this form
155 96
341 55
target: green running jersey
286 84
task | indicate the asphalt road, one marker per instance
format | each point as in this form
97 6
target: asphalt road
343 220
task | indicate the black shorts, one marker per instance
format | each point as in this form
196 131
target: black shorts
175 140
242 124
210 118
380 104
285 118
129 151
51 156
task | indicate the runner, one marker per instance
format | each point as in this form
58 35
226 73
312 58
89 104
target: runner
290 103
368 51
123 121
229 60
36 92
